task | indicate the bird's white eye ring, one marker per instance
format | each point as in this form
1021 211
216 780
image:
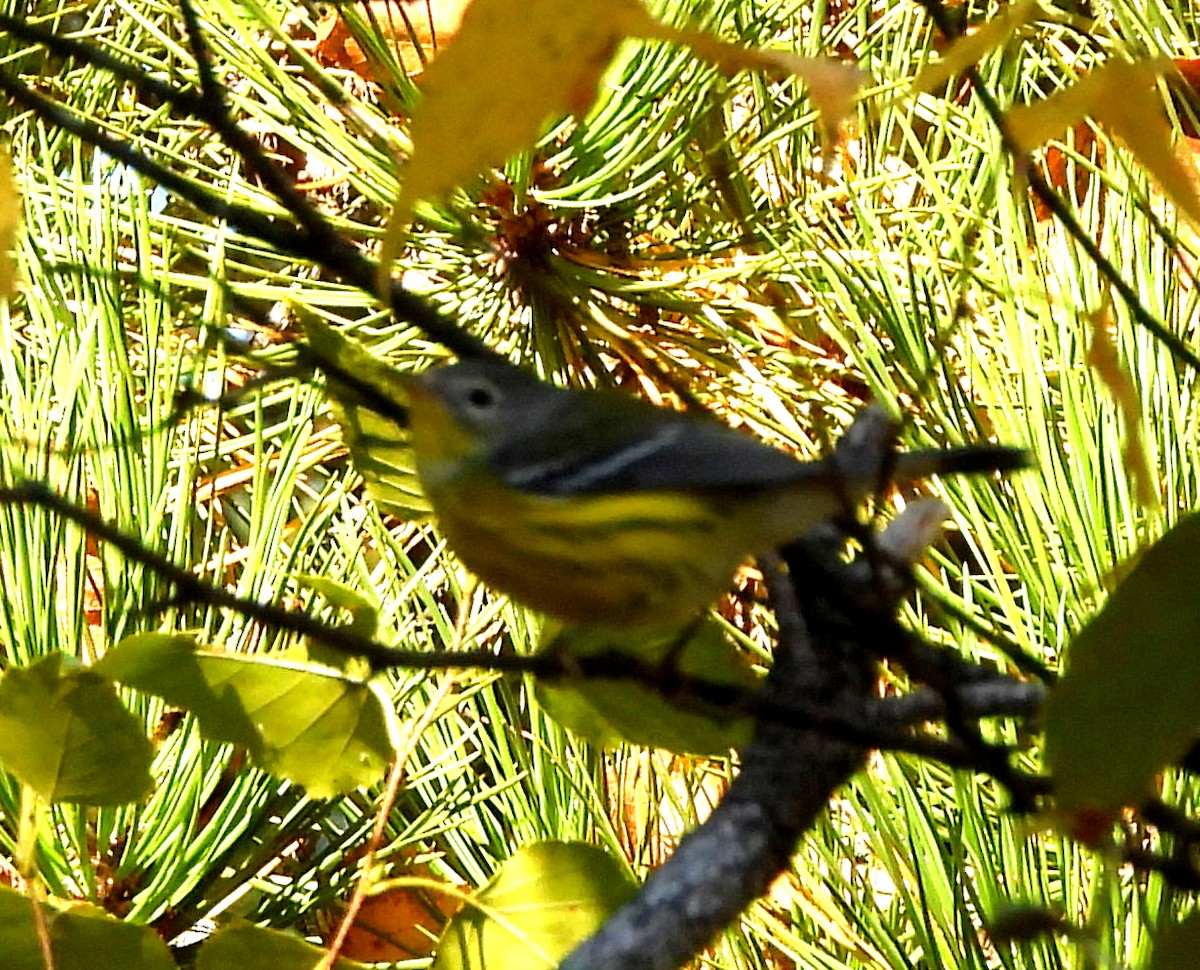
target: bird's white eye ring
482 396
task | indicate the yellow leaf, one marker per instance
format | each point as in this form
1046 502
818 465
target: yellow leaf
1102 356
516 62
1123 99
10 221
970 48
513 64
414 29
832 85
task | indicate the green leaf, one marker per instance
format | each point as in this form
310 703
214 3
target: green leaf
1177 945
66 734
82 937
542 902
379 445
1126 707
309 724
18 932
254 948
170 666
612 712
364 615
364 621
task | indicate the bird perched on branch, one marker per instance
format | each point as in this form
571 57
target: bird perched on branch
598 508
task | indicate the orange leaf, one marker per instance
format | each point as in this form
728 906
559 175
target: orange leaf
402 923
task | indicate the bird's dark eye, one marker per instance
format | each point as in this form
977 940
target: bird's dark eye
481 397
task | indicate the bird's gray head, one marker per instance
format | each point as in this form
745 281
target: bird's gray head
492 397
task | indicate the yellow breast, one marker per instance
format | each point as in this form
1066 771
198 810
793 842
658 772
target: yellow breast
645 559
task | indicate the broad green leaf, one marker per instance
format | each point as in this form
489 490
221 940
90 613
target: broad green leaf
1177 945
308 724
1123 99
379 445
82 937
170 666
18 932
66 734
247 947
1126 706
543 901
968 49
611 712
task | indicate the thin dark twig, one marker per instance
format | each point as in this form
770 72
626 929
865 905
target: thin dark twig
210 90
314 239
189 588
339 254
254 223
1179 871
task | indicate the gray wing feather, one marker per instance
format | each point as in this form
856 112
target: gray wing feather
581 443
681 452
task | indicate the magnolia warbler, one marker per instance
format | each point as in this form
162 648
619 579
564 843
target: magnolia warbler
598 508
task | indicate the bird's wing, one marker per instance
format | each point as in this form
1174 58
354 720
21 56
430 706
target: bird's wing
614 443
629 451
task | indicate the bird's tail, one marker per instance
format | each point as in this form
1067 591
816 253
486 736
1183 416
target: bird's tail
866 457
911 466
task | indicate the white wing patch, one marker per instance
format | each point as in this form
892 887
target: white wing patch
566 480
